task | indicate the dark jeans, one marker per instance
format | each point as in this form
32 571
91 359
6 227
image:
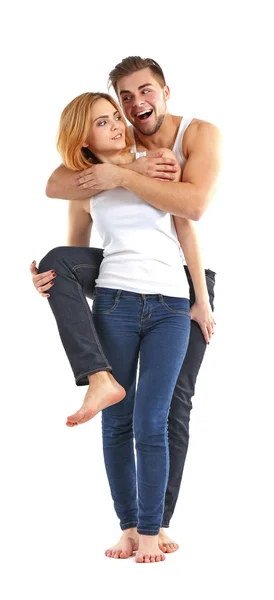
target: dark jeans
77 268
181 404
153 329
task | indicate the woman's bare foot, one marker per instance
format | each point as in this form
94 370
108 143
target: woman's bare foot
126 545
103 391
149 551
165 543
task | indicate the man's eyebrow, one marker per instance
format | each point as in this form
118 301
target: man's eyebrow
139 88
116 112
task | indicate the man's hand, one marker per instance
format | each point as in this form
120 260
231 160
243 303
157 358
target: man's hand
42 281
100 177
203 315
156 166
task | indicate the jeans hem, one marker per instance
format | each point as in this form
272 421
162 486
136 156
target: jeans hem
125 526
83 378
147 531
165 525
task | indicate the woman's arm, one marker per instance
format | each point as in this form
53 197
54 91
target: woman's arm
79 223
79 230
201 311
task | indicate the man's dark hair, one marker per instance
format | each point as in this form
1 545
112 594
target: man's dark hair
130 65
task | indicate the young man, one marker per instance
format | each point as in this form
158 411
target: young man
142 91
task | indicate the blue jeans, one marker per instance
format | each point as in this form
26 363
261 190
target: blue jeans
77 269
153 329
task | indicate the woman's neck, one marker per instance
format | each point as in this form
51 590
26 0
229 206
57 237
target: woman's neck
121 157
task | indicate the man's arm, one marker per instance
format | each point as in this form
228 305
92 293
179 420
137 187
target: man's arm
190 197
62 184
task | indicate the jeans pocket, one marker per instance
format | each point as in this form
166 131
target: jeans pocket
179 306
104 303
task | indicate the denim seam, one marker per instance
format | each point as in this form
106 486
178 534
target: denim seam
116 302
176 312
91 372
81 266
92 326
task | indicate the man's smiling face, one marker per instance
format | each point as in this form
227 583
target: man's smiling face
143 100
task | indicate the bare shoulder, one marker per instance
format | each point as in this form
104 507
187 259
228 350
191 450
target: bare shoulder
201 134
167 153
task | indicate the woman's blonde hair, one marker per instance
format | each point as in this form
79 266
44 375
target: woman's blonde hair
73 131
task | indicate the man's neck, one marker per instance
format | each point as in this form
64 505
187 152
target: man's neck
163 138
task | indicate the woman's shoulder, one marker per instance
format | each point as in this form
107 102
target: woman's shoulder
166 152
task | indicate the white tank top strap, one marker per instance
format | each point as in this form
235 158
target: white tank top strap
139 154
177 147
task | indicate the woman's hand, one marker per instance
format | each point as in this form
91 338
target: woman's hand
42 281
203 315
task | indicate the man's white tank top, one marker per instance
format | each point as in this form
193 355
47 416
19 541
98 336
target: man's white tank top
205 227
141 249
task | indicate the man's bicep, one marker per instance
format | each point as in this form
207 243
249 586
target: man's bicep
203 164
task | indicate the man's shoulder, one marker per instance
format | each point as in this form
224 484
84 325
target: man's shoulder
198 125
197 130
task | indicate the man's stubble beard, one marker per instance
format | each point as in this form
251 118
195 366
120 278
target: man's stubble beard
156 127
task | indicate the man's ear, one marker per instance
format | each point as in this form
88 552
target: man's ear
166 92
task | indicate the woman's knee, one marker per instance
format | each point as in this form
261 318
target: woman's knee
150 429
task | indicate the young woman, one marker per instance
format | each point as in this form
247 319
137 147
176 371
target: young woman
140 313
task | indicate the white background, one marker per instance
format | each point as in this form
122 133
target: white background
56 511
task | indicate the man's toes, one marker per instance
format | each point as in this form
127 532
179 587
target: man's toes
175 547
116 553
162 557
162 547
152 558
124 554
108 553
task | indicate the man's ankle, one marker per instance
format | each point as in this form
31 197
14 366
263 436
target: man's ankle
99 377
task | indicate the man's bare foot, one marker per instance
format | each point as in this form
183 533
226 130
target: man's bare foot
126 545
149 551
165 543
103 391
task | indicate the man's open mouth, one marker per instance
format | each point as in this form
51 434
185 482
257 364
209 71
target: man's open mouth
144 115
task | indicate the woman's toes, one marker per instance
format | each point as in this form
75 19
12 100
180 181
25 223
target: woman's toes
147 558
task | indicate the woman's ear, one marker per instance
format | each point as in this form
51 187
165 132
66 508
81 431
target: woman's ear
85 145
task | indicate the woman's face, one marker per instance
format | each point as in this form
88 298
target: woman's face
106 134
